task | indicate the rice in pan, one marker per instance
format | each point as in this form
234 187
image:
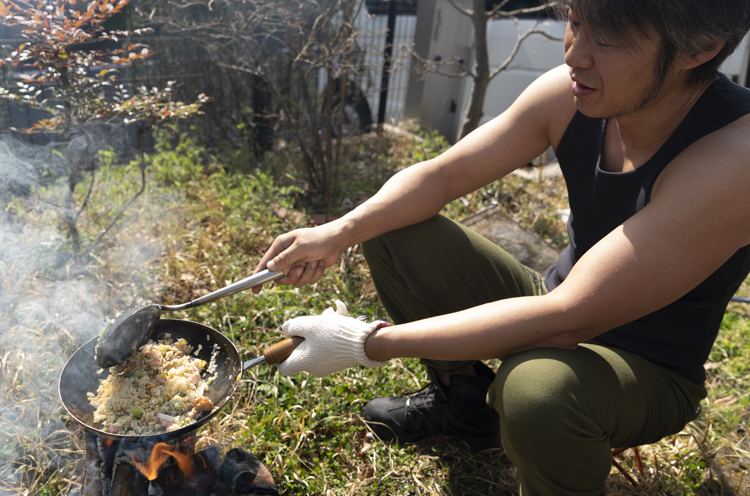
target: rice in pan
157 389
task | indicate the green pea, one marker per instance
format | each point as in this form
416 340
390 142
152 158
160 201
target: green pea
136 412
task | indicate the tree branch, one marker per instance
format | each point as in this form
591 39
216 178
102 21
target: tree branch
496 8
463 10
514 13
142 166
426 68
517 45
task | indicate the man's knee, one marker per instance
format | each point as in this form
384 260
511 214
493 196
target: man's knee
415 234
532 389
545 411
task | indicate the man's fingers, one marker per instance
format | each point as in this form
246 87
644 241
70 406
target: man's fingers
291 249
308 275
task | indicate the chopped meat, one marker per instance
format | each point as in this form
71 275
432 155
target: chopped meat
203 405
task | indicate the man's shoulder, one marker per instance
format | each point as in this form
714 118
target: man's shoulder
719 160
550 98
731 140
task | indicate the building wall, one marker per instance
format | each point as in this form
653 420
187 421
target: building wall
441 32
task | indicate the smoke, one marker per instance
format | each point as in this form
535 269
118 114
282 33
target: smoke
24 166
49 309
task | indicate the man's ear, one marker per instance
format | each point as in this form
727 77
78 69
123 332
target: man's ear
710 49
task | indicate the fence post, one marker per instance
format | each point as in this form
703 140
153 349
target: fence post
387 56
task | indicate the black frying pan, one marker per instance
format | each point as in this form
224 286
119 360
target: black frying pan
79 376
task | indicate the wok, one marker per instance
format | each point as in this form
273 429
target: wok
81 375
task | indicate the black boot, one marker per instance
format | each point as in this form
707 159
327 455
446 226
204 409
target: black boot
458 410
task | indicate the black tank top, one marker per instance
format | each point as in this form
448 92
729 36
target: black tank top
680 335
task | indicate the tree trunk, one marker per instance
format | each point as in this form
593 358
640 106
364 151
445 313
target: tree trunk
474 110
262 116
73 167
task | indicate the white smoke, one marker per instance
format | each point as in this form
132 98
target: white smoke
47 309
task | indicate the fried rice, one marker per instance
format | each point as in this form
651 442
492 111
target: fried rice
159 388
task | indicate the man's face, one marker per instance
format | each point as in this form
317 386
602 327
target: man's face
610 79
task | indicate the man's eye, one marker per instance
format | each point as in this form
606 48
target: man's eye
607 46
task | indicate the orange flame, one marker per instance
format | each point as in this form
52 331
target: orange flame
159 454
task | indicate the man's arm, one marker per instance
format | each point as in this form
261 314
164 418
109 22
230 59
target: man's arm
532 124
698 217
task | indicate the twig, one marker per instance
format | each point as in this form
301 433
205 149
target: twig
467 12
88 194
519 39
142 166
513 13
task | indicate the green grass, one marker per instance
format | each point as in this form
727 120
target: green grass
199 227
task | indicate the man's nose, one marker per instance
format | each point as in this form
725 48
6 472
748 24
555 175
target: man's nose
577 50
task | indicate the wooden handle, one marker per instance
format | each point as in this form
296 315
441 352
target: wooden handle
277 353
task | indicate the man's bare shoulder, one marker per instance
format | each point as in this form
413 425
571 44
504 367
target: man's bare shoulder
726 151
737 133
550 101
715 172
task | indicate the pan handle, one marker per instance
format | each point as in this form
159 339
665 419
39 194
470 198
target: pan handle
249 282
277 353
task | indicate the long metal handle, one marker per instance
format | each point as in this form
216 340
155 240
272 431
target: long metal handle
247 283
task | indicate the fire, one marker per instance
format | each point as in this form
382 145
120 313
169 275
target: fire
159 454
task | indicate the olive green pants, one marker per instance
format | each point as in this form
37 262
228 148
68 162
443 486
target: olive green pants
561 411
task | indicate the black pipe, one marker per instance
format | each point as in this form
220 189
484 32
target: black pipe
387 56
741 299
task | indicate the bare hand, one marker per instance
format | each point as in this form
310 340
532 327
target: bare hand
308 251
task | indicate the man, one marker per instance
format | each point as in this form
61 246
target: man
606 349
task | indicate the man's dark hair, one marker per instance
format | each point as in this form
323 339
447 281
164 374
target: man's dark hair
685 26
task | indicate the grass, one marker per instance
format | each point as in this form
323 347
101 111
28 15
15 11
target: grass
199 228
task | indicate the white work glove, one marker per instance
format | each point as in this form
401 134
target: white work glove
333 341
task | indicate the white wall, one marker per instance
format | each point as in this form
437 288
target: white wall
441 31
537 55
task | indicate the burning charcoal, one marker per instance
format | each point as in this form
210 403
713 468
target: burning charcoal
154 489
92 482
201 479
141 468
242 474
126 481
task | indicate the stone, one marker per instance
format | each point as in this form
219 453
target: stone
522 244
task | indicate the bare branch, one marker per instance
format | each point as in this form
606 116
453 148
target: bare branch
142 166
463 10
88 194
519 39
513 13
447 67
496 8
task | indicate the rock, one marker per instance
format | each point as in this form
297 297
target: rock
730 466
552 169
523 245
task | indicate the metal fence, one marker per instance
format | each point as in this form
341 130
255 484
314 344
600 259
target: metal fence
371 39
195 74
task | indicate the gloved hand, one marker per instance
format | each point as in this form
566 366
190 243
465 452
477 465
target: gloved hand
333 341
